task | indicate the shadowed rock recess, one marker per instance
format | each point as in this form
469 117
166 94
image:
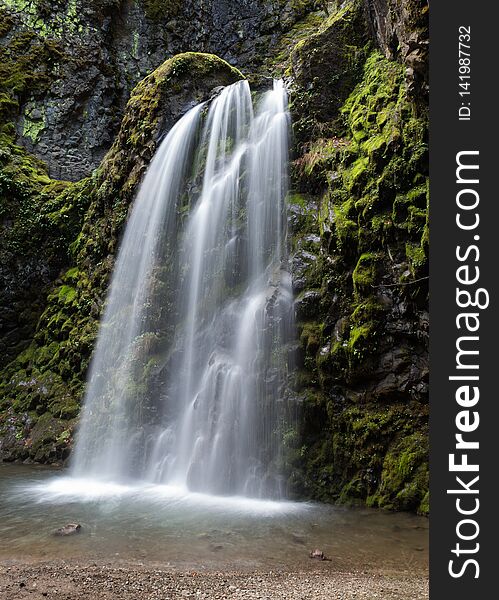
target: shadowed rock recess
88 89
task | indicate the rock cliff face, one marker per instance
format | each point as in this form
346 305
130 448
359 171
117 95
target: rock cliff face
357 78
97 50
401 30
360 260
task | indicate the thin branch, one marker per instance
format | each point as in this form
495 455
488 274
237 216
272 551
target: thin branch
402 283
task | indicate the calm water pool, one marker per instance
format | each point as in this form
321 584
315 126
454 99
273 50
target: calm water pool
170 526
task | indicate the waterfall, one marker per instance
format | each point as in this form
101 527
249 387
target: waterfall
187 385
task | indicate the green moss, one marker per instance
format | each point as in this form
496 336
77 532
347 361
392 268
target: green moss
404 478
364 274
365 437
417 257
135 45
28 66
340 42
360 336
364 324
424 507
64 436
345 223
66 294
49 18
32 128
43 216
310 336
72 274
380 165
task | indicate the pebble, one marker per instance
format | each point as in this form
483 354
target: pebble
129 582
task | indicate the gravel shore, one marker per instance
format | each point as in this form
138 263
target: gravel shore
76 581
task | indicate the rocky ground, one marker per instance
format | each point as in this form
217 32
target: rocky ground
76 581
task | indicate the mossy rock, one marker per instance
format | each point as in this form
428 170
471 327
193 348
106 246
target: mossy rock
340 43
404 478
365 273
155 105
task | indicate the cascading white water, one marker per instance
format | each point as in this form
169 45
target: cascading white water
187 384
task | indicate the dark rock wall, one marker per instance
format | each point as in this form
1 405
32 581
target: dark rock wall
357 77
104 47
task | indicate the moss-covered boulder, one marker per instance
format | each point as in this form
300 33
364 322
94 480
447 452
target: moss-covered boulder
155 105
87 218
